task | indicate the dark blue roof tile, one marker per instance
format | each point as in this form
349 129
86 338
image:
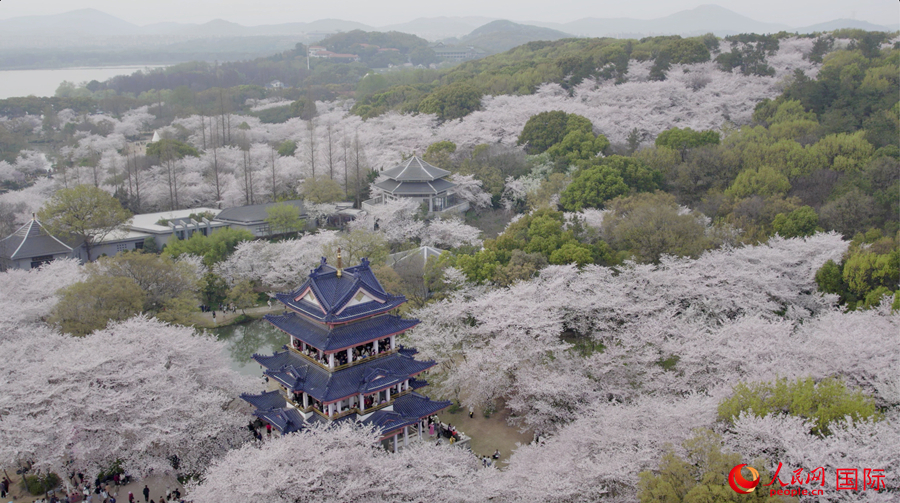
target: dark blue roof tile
286 420
299 374
334 294
265 401
344 336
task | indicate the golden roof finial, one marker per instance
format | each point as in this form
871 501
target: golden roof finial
339 272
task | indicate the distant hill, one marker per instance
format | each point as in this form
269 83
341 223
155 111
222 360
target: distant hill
502 35
847 23
703 19
77 22
89 36
437 28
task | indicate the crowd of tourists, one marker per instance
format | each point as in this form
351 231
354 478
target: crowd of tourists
359 353
105 490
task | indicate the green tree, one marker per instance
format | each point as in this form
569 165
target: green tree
287 148
700 477
358 244
578 145
167 150
213 248
284 218
685 139
91 304
214 289
438 154
453 101
85 213
546 129
321 189
801 222
822 402
592 187
650 225
305 108
160 277
661 65
242 295
764 182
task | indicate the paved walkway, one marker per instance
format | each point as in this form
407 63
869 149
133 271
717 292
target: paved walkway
158 485
205 320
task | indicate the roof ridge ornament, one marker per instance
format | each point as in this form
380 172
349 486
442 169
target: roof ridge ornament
339 269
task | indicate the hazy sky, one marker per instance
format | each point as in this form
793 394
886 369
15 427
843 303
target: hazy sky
379 13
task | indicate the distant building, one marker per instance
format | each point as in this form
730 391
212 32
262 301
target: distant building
275 84
253 218
178 224
31 246
416 179
458 53
417 257
317 51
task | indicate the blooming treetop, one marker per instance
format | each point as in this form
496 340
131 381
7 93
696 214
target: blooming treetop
337 464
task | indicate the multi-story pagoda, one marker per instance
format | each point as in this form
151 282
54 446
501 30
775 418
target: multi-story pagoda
343 362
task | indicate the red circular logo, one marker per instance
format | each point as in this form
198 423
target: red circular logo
739 483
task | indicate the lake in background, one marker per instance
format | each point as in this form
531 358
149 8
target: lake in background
14 83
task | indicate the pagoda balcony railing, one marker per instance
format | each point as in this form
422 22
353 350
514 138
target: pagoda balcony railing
351 410
344 366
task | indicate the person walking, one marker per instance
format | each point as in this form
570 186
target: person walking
130 497
146 493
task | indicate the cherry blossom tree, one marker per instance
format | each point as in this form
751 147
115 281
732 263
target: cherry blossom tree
139 391
450 233
275 266
343 462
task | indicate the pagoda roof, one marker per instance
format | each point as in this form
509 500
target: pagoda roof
297 373
266 400
407 411
31 240
331 298
286 420
415 170
400 188
333 338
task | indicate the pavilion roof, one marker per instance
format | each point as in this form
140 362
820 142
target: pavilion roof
352 295
418 188
31 240
407 411
297 373
332 338
415 170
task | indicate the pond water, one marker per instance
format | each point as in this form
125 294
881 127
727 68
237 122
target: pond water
258 336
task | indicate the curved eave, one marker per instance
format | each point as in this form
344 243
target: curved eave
332 342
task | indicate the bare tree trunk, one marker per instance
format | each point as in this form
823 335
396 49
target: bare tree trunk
137 182
311 150
357 159
246 183
330 152
345 144
250 173
272 152
216 173
203 129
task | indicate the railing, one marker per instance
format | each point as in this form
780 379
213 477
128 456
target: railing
351 410
344 366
